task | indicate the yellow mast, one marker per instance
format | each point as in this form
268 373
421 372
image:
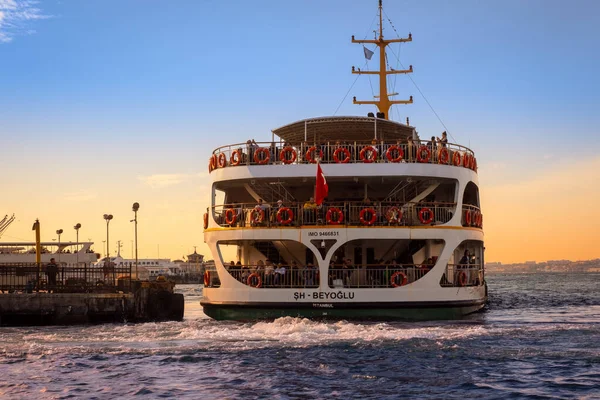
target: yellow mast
384 103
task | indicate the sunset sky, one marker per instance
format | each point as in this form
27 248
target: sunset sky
104 103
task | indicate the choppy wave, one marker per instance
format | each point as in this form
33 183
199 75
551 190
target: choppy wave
537 339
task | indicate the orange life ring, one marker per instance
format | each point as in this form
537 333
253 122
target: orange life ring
257 215
466 160
258 152
373 216
337 152
236 157
210 168
467 217
420 154
206 278
290 215
390 157
474 164
456 159
462 278
258 280
422 216
393 215
481 221
230 216
371 158
309 154
222 160
284 152
205 220
213 161
329 215
443 156
396 275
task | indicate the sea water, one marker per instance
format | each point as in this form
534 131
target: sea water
539 337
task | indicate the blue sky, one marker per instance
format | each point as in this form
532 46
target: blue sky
116 94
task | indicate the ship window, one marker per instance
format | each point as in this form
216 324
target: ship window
471 195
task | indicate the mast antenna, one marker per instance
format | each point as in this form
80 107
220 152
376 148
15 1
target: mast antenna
383 103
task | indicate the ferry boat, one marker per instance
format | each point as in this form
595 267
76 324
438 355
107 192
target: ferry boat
345 217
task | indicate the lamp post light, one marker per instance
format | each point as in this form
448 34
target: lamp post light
107 217
135 208
59 232
76 227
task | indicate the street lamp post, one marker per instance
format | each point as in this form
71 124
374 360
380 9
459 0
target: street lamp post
135 208
76 227
107 217
59 232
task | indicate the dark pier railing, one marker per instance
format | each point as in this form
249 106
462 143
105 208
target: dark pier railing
31 277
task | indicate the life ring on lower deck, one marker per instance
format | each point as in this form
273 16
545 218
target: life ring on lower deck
206 278
258 159
394 277
290 216
205 217
257 215
329 216
370 221
255 276
222 160
420 157
390 157
456 160
368 154
462 278
309 154
337 152
422 216
393 215
230 216
283 155
467 217
236 158
443 155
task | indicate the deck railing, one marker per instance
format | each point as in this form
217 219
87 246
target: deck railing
272 153
29 277
360 276
341 213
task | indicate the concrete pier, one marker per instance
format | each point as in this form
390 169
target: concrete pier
148 301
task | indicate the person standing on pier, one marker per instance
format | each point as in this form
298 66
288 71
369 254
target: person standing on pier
51 273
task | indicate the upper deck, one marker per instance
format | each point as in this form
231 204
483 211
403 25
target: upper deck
342 140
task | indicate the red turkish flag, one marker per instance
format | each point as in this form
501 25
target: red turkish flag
322 189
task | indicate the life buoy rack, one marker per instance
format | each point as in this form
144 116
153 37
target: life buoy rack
429 219
230 217
420 158
336 155
205 217
389 154
365 221
257 215
257 278
443 155
206 278
393 215
290 216
368 154
221 160
329 216
309 154
462 278
262 160
236 158
466 160
456 159
283 155
394 278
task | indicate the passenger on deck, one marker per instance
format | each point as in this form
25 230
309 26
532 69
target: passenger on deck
432 146
411 150
279 278
464 261
269 271
309 211
309 275
443 142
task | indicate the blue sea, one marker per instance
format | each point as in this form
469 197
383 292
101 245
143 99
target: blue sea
539 338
